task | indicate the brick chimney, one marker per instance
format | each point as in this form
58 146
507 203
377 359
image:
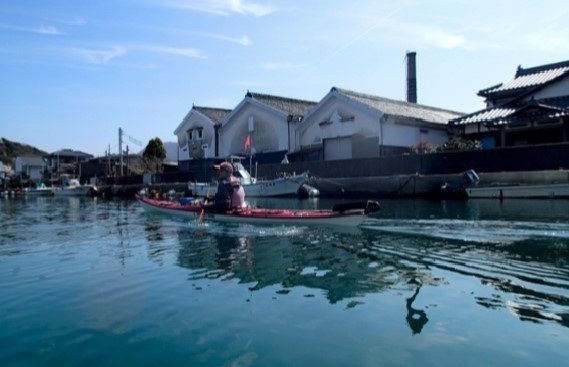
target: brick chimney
411 77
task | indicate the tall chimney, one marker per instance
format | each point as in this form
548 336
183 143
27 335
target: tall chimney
411 77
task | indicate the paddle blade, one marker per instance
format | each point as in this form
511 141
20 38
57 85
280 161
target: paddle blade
368 206
200 219
371 207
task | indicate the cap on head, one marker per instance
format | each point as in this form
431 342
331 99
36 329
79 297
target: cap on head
226 166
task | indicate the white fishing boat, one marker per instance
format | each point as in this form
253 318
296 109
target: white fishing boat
73 187
502 191
40 190
286 185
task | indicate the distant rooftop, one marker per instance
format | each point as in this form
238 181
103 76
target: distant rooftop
401 108
529 78
290 106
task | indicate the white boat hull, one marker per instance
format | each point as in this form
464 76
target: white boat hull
38 192
282 186
72 191
520 191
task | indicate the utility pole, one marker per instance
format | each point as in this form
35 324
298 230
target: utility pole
120 150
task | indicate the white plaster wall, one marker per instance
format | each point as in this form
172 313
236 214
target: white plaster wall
311 132
195 121
403 135
269 131
561 88
366 123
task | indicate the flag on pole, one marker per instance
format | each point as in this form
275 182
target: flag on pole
247 142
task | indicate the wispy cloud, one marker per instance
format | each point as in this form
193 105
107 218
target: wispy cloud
377 24
48 30
98 56
221 7
186 52
42 29
427 35
243 41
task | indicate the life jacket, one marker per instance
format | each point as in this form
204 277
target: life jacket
236 192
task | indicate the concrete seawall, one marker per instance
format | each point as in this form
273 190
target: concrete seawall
417 185
412 185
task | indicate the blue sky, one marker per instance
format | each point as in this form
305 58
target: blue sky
73 72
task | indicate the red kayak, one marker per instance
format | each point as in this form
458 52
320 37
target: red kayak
349 214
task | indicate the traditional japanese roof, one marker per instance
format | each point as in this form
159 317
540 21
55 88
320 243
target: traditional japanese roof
528 79
289 106
400 108
525 84
214 114
543 108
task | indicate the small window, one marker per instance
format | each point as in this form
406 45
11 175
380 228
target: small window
200 134
190 135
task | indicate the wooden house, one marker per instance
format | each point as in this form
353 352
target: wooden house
532 108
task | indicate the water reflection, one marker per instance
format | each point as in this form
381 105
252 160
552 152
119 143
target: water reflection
339 266
416 318
529 274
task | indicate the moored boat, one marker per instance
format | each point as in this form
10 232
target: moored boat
286 185
72 187
40 190
502 191
349 214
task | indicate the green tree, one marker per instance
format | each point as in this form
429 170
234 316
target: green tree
154 155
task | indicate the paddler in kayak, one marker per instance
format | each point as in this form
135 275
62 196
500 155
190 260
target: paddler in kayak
230 193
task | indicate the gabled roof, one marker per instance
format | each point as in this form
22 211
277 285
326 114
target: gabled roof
32 161
547 107
214 114
400 108
528 79
289 106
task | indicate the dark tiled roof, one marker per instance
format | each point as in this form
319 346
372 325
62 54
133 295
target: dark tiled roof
289 106
32 161
548 108
70 153
400 108
214 114
529 79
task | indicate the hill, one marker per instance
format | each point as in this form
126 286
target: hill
10 150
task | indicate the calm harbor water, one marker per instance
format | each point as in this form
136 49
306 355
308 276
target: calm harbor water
95 282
